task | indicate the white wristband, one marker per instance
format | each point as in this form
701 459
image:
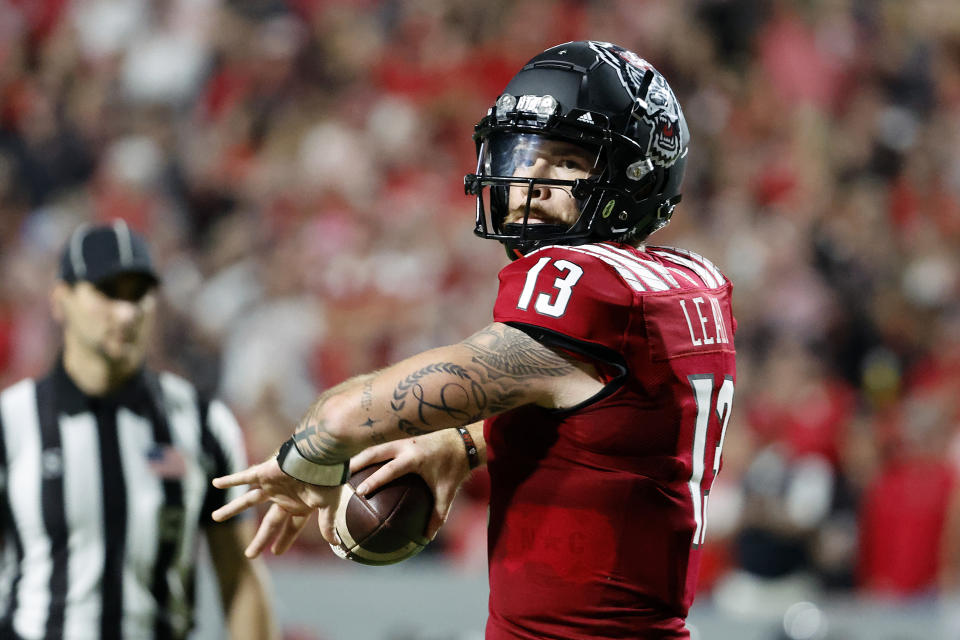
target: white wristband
293 464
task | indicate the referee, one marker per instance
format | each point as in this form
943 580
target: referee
105 471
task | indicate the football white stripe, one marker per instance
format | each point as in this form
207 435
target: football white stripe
406 551
340 520
634 266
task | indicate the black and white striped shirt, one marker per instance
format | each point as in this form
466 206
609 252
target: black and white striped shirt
101 503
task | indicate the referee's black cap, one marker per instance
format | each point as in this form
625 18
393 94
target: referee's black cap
98 253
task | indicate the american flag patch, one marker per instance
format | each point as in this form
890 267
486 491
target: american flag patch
166 461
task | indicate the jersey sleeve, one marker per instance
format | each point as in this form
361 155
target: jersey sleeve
566 293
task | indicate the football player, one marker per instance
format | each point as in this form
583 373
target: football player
599 396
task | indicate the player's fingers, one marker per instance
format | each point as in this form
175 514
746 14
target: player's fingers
240 504
433 527
272 523
376 453
327 529
291 504
326 516
247 476
390 471
289 534
443 500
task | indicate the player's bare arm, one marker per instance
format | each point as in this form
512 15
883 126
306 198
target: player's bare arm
496 369
507 356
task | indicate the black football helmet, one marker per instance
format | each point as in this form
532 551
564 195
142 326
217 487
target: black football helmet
606 100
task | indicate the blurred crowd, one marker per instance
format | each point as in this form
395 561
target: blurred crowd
298 167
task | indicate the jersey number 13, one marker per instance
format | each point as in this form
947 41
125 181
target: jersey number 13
703 394
546 304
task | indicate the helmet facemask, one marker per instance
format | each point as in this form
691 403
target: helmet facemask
532 189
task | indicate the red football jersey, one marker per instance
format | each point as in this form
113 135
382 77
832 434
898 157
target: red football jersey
597 512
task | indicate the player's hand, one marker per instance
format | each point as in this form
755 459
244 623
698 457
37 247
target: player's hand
278 530
438 457
268 483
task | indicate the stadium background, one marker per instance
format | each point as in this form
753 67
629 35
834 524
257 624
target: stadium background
298 167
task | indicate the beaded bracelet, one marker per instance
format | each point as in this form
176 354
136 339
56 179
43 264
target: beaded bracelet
473 457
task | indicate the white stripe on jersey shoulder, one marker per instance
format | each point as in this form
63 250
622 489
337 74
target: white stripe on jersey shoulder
708 279
623 261
704 261
632 280
649 265
700 259
712 277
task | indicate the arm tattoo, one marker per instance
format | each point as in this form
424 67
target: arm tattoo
514 354
504 366
366 396
510 362
315 442
463 399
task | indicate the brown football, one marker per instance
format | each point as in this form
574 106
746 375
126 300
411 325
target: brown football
386 526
